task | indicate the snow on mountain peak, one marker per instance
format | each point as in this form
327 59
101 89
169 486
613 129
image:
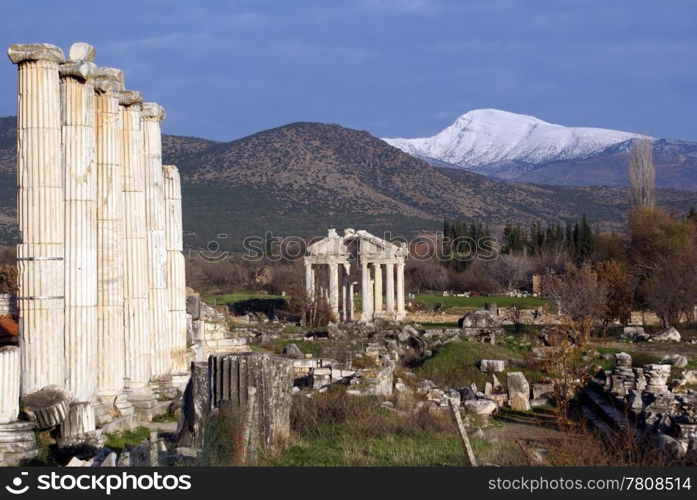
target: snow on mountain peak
485 140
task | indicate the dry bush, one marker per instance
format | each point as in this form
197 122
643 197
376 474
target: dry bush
360 416
620 290
587 447
223 439
8 278
226 276
568 365
663 249
425 275
581 299
286 277
515 313
8 256
510 272
477 278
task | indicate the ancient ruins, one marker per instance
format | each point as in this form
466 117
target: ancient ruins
377 258
102 298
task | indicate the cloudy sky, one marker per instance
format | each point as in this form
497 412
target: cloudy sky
224 69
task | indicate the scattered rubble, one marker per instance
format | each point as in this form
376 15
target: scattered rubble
518 391
676 360
492 365
668 335
643 395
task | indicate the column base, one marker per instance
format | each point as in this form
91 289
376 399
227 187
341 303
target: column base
82 445
180 381
81 419
144 402
388 316
17 443
163 388
112 406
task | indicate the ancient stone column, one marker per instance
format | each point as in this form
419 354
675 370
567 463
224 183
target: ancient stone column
366 302
309 280
230 376
158 304
108 83
377 270
351 306
17 440
9 384
389 287
79 158
344 296
400 290
135 277
334 289
40 215
176 275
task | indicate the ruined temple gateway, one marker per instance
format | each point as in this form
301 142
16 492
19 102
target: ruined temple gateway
376 258
101 273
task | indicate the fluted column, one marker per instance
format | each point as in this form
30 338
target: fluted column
389 287
40 215
334 289
309 280
110 325
400 290
377 270
77 94
344 296
176 275
351 307
159 320
135 289
9 384
366 302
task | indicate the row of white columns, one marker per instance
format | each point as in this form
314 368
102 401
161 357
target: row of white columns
387 301
372 290
340 292
101 296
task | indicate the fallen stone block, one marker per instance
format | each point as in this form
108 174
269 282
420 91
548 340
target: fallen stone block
676 360
293 351
492 365
667 335
47 407
480 406
518 391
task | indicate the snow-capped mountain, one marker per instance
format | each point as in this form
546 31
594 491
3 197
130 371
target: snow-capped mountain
508 145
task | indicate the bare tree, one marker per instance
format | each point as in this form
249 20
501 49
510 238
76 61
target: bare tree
568 365
581 299
510 271
642 174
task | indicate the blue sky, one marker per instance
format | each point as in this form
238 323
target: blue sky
407 68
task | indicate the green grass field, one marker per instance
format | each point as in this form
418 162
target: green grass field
231 298
457 364
423 299
478 302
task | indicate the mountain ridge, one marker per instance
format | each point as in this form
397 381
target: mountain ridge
523 148
301 178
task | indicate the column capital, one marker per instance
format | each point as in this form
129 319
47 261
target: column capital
153 111
171 172
81 51
108 79
130 97
21 52
82 70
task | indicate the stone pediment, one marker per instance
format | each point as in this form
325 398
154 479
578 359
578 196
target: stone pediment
368 245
